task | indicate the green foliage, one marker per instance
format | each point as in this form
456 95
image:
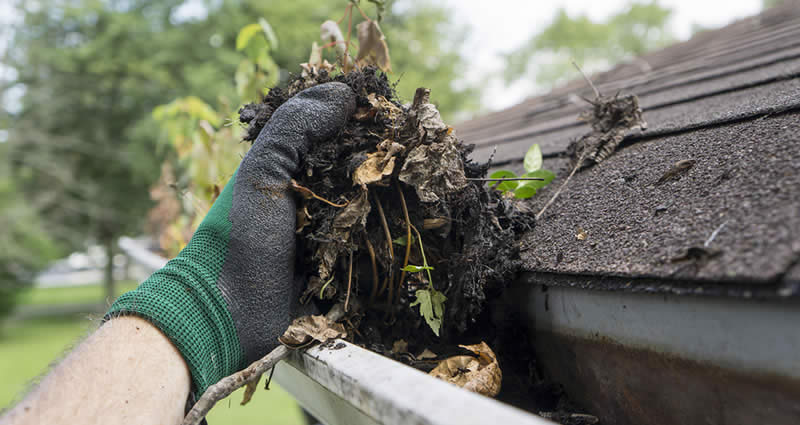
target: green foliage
429 300
27 246
402 240
523 189
415 269
431 307
593 45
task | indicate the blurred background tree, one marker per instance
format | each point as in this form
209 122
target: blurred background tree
82 142
594 45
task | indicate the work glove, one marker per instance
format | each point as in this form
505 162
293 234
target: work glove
229 294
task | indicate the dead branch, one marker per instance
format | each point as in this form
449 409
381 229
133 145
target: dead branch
227 385
563 185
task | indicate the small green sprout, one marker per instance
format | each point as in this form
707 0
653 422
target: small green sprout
527 188
429 300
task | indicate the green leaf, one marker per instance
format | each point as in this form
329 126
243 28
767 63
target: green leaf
431 307
524 192
503 186
547 175
533 158
415 269
402 240
246 34
272 39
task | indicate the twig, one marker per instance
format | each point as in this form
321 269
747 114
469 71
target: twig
371 252
388 234
349 281
308 193
229 384
364 15
408 241
424 260
349 33
558 192
714 234
596 92
503 179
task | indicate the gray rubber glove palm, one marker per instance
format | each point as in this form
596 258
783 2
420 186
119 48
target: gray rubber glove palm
230 293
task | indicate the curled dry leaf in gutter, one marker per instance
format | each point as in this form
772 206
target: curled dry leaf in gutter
372 47
426 354
400 346
305 330
480 374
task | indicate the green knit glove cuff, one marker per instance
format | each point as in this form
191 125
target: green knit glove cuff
183 301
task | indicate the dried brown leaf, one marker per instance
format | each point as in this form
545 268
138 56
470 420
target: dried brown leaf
372 46
426 354
374 170
307 329
400 346
303 219
355 213
481 375
384 107
249 390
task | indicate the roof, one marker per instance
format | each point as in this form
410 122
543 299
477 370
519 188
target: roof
728 99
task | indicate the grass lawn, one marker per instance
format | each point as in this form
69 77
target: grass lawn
84 294
28 348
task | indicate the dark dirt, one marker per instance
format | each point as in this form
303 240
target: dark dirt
470 234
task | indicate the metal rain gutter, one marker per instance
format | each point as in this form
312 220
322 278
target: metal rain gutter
354 386
669 359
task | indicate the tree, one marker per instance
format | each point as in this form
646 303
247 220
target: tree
82 142
593 45
79 144
26 247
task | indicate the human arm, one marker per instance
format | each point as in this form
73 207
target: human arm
224 300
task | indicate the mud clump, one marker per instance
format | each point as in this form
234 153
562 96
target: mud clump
390 223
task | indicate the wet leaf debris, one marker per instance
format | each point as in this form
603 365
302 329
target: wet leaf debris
388 222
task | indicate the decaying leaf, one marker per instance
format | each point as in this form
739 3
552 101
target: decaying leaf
330 32
249 390
354 213
580 234
434 168
307 329
431 307
372 48
374 170
303 219
384 107
481 375
611 117
677 169
400 346
315 63
426 354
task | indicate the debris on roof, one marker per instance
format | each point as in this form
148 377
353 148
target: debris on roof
721 157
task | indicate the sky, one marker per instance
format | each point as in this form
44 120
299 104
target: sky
498 26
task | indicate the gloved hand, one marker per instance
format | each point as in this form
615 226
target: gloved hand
229 294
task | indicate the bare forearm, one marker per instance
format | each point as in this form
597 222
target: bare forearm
126 372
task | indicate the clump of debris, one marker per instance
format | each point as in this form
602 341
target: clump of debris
390 222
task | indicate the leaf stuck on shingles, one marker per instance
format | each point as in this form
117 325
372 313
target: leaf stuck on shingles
305 330
480 374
